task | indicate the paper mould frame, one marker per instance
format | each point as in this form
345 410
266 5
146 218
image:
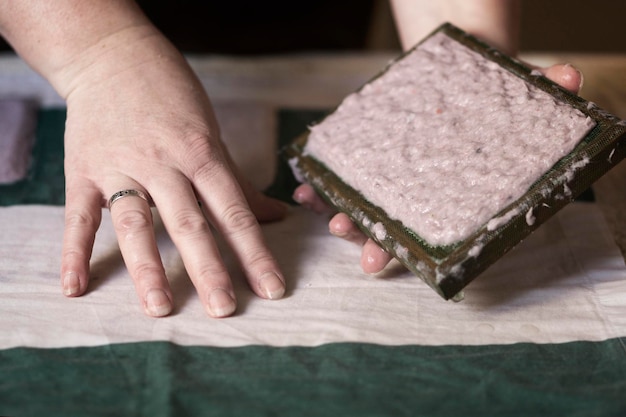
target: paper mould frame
448 269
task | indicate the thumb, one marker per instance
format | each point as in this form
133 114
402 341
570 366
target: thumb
565 75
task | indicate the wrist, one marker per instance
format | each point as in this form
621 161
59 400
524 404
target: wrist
494 21
114 54
64 38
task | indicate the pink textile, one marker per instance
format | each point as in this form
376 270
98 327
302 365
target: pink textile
18 120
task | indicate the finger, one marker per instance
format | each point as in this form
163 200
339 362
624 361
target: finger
132 221
192 235
307 197
83 213
341 226
230 214
373 258
565 75
266 209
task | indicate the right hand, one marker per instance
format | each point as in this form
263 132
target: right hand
139 119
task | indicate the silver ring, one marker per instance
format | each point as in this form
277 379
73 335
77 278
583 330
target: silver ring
129 193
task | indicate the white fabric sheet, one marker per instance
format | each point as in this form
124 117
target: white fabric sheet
566 282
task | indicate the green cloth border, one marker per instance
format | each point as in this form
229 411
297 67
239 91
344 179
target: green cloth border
45 183
344 379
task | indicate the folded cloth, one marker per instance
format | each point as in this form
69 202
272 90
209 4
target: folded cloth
18 120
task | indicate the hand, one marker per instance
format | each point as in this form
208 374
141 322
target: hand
139 119
373 257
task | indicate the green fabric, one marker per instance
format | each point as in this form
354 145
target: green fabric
45 183
291 123
162 379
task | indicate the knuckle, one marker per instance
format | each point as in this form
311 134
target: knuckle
80 220
260 259
132 220
206 170
188 222
212 274
203 157
73 256
143 271
238 218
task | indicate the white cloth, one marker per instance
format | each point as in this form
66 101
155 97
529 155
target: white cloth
566 282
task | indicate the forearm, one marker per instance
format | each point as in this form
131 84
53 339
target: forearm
495 21
61 39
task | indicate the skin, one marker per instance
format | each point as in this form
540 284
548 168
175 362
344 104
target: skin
138 118
494 21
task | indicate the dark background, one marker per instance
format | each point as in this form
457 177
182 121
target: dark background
250 27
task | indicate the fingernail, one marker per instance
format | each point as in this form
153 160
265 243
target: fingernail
369 261
71 284
158 304
580 74
336 231
271 285
299 198
221 304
